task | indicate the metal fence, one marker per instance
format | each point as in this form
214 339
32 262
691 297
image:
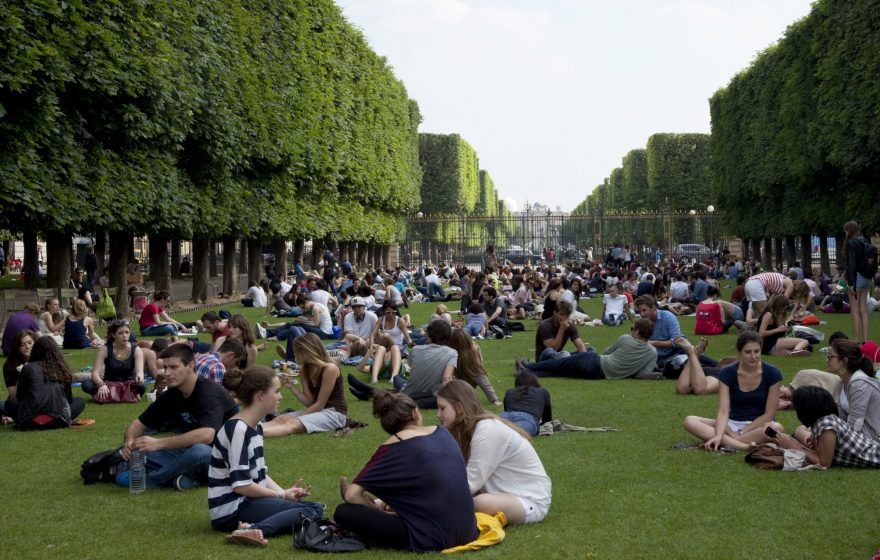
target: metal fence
529 236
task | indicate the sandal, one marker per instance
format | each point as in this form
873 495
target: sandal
682 342
248 537
701 347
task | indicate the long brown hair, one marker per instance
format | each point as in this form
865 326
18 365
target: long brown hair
850 353
468 413
51 360
852 229
314 355
469 364
778 307
243 325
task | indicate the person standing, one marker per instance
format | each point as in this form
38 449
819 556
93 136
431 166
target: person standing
853 253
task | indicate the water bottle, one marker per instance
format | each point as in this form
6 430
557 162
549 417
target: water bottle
137 473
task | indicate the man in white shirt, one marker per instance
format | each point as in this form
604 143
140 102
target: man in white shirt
679 290
359 322
321 295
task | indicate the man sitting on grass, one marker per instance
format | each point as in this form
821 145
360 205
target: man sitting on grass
629 356
554 332
194 408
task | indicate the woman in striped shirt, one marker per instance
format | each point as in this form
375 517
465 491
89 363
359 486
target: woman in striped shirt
242 498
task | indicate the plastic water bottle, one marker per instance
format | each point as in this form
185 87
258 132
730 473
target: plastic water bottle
137 473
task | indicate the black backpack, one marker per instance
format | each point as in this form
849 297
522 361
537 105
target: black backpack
867 265
103 466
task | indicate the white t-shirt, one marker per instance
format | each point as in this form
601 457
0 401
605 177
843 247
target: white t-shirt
362 328
285 287
257 294
679 290
504 462
432 279
325 322
614 305
320 296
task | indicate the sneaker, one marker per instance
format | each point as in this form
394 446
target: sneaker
183 483
508 336
122 479
260 330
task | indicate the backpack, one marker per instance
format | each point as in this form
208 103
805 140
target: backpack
867 264
103 466
708 319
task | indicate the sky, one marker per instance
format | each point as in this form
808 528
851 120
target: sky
553 93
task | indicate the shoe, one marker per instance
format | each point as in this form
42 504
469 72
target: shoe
520 365
122 479
508 336
260 330
183 483
249 537
727 450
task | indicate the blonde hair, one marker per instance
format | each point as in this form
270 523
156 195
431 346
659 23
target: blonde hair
441 309
314 356
79 309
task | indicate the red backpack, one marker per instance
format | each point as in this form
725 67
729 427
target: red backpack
708 319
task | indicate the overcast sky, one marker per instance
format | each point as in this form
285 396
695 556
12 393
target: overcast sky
553 93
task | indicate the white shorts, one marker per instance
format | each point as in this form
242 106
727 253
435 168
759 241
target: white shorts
534 512
322 421
737 426
755 290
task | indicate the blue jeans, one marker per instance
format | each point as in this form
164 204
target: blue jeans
158 330
552 354
166 465
290 334
472 330
583 365
274 516
522 419
285 332
613 320
435 290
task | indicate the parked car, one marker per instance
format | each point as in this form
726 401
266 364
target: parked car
520 256
691 252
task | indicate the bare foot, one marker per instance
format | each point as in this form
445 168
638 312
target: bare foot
282 353
343 487
701 347
682 342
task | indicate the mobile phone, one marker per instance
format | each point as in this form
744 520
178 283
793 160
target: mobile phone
771 433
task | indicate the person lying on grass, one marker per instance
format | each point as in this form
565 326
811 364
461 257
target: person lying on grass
242 498
419 482
832 442
504 472
748 395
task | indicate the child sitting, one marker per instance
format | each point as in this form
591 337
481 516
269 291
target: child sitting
475 321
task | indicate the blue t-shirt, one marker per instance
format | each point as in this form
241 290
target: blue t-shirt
666 328
746 406
424 479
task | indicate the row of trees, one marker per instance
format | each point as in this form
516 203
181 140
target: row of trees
207 120
795 137
673 173
454 185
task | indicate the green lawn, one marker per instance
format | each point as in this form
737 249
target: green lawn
616 495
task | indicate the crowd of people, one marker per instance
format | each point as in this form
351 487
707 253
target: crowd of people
213 403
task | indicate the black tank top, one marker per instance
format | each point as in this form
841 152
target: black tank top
119 370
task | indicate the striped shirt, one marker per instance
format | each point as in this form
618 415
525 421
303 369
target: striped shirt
236 460
772 282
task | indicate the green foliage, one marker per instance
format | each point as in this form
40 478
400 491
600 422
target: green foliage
256 119
635 180
450 182
487 205
678 171
797 129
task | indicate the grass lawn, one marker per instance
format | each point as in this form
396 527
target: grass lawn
623 494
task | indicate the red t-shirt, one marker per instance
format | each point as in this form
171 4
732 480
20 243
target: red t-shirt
220 332
147 314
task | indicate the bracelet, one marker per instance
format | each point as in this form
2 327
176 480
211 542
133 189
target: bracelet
281 494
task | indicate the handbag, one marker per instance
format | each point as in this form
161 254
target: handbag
120 392
323 535
105 309
767 456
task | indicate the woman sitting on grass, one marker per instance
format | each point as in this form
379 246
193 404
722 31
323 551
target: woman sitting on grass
19 355
475 321
119 360
44 390
240 330
419 481
528 404
748 394
382 359
470 367
79 329
322 392
833 442
504 471
51 320
772 326
242 498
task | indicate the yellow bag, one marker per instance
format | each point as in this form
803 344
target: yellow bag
491 532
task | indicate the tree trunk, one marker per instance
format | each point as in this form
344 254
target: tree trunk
200 254
807 253
119 244
377 256
790 250
30 264
823 253
279 247
746 249
767 254
840 239
129 250
756 249
230 271
100 251
316 254
58 260
298 247
175 257
243 256
386 255
255 260
212 259
777 251
160 267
